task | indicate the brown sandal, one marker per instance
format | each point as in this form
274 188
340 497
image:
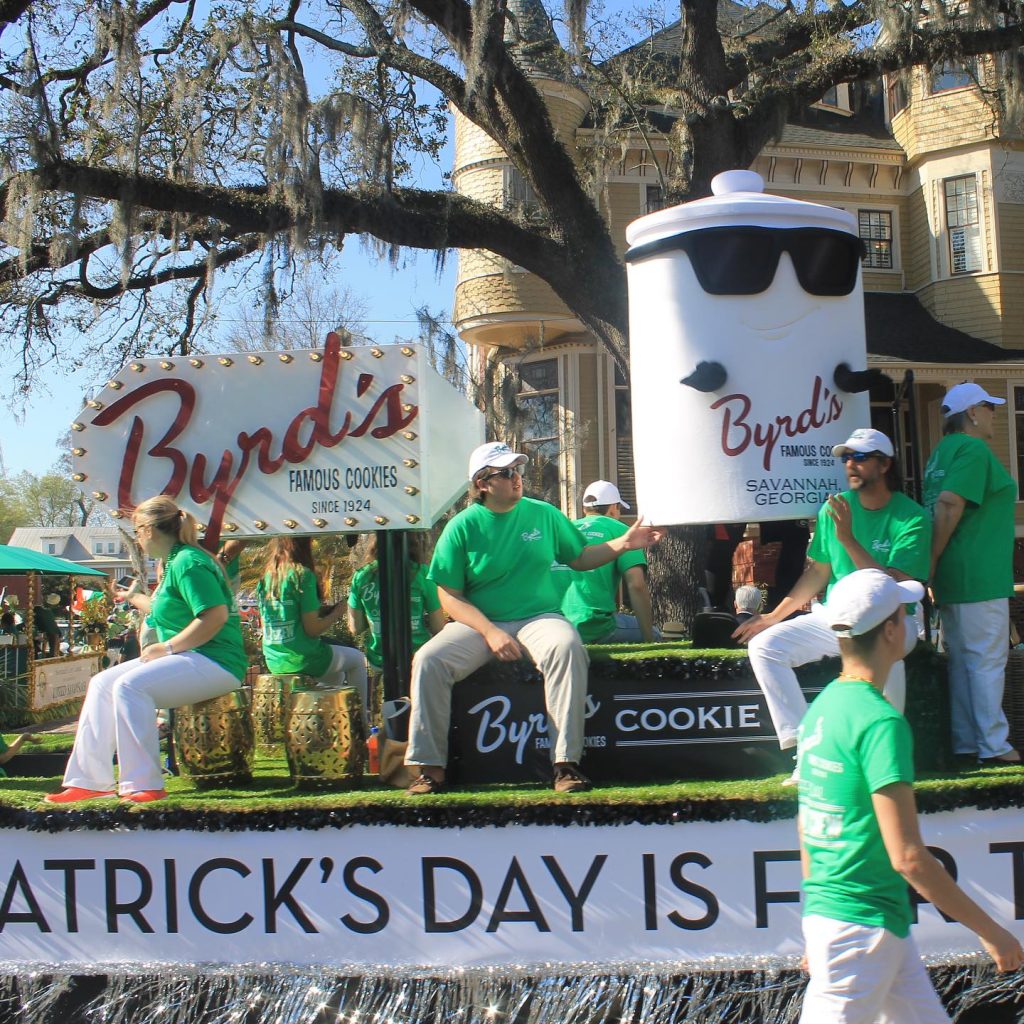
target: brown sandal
424 785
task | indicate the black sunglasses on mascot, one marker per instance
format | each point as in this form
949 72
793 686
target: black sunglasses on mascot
509 473
743 260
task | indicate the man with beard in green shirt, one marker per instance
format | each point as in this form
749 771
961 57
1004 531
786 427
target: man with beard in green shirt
868 526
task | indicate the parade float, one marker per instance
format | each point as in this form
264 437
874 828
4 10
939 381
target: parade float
669 893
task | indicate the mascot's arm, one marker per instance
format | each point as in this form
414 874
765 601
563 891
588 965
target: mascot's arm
855 381
707 377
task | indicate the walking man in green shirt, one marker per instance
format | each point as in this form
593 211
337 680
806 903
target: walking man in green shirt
860 841
492 566
591 600
868 526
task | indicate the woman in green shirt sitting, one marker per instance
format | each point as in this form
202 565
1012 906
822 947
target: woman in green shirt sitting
289 597
198 655
364 600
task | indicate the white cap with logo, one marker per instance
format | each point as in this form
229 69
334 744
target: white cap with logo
494 453
961 397
864 440
865 599
603 492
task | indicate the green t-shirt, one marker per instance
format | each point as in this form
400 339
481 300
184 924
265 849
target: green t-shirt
898 536
191 583
851 743
288 648
501 561
977 564
590 599
365 596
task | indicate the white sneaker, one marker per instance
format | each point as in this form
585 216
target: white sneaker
792 780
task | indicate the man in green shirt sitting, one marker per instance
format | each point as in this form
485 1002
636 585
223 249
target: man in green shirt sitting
492 567
869 526
591 599
860 842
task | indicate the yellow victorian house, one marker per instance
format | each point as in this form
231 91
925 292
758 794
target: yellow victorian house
936 185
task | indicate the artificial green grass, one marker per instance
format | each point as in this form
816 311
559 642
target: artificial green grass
272 790
44 743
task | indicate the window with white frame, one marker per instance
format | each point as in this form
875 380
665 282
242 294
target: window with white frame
952 74
1018 429
875 230
111 547
538 401
97 547
963 224
896 92
624 440
51 549
518 193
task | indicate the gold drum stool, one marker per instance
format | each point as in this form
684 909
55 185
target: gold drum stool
325 741
271 697
213 740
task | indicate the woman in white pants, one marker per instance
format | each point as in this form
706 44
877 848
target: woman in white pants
199 655
289 597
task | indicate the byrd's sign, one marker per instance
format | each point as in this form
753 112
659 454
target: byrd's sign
747 354
634 728
256 444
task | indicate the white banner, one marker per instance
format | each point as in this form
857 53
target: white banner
438 898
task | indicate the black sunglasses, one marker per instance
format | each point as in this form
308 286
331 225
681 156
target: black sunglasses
743 260
509 473
859 456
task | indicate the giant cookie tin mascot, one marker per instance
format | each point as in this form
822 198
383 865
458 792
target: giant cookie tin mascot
747 354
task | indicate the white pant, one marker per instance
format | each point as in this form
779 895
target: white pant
778 650
862 975
459 650
348 667
976 637
119 715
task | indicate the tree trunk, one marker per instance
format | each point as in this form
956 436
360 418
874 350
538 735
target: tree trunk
676 567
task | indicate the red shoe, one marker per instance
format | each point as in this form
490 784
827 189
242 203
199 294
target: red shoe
145 796
73 794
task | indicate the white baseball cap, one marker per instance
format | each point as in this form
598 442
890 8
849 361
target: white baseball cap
961 397
864 439
494 453
866 598
603 492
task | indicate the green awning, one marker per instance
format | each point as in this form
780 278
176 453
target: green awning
15 561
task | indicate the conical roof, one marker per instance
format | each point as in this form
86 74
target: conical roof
531 40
